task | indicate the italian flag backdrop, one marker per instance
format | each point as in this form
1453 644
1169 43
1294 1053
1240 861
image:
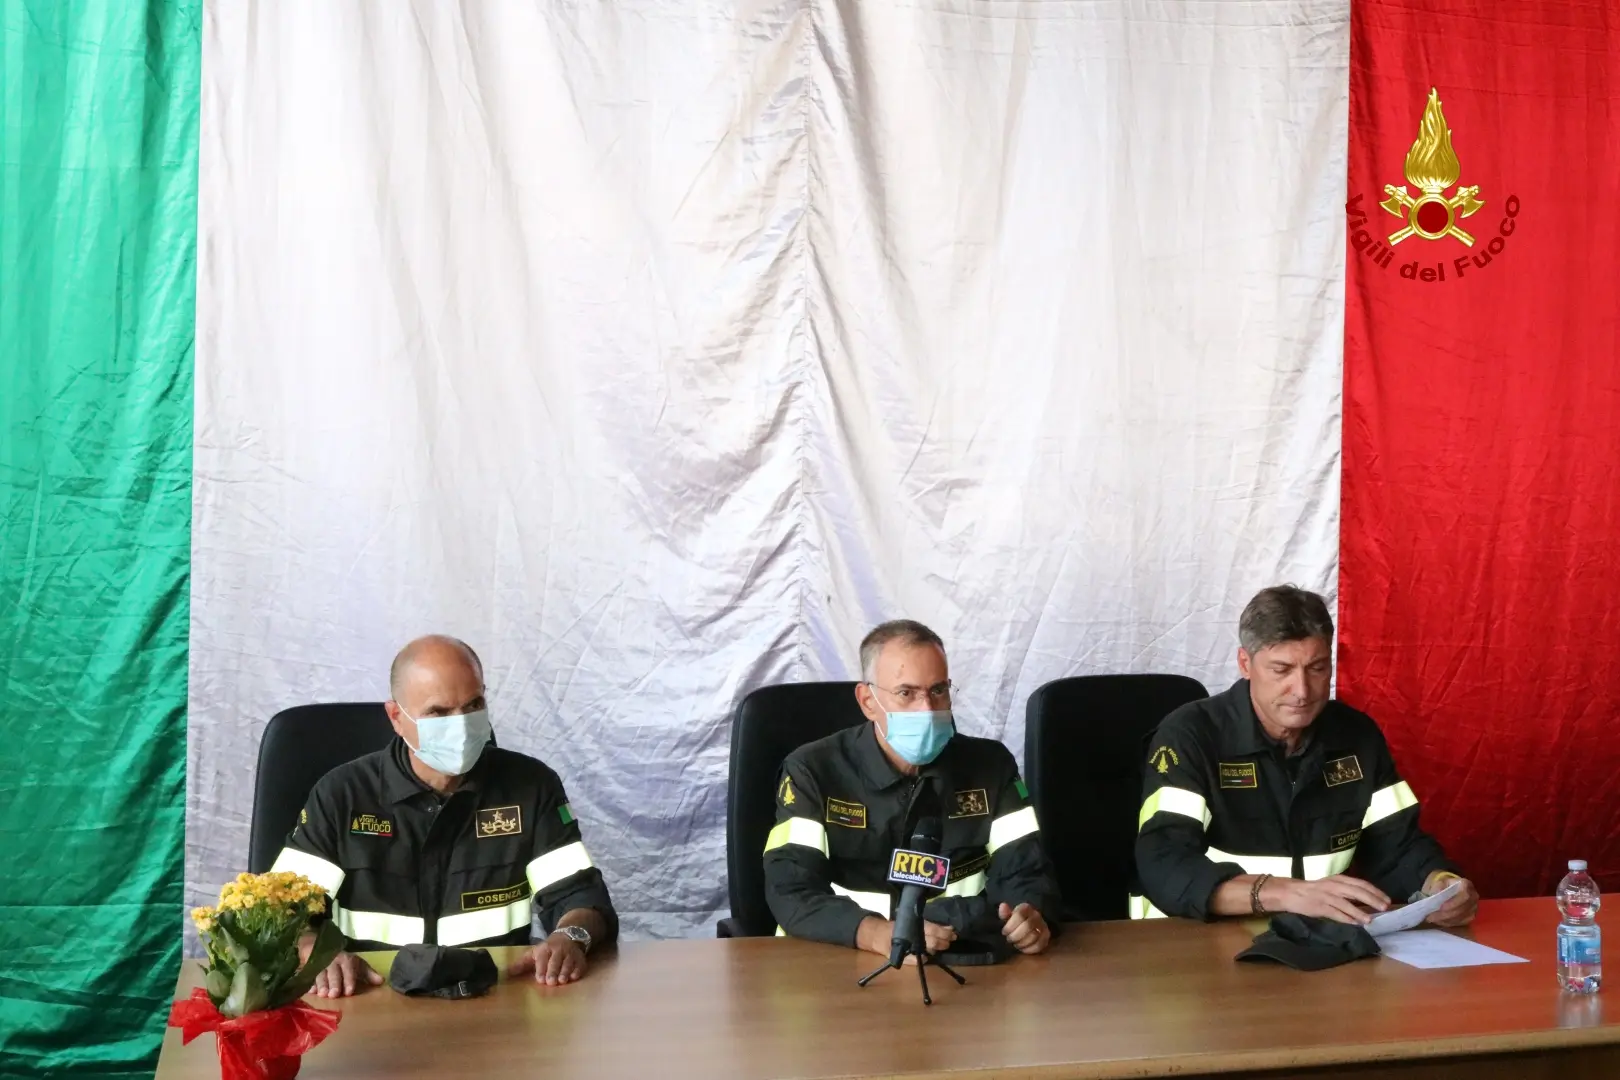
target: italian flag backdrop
660 347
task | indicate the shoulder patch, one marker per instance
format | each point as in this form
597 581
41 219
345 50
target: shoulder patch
1345 770
784 793
500 821
566 813
1162 758
1239 774
974 803
1018 784
851 815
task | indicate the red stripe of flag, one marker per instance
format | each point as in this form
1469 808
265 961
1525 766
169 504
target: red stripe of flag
1480 547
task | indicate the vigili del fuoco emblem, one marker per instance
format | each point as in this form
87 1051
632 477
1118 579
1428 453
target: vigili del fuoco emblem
1431 167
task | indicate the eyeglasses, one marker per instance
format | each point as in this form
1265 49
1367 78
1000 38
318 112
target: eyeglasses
938 694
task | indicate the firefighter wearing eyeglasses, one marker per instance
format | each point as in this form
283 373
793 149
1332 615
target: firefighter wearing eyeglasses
846 802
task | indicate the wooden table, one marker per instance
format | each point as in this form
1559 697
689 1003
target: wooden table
1161 998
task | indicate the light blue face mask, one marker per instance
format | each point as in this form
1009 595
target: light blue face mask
452 744
919 737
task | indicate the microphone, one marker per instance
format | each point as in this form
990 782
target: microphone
920 869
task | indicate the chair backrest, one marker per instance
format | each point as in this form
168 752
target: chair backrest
299 746
1084 748
770 724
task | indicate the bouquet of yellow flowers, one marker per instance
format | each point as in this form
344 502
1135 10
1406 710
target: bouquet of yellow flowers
253 979
252 939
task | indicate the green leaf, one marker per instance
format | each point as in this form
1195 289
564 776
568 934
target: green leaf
247 993
328 943
218 985
230 930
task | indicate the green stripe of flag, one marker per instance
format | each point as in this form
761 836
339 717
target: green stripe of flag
98 235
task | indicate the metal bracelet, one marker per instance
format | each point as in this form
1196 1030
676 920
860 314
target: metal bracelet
1254 895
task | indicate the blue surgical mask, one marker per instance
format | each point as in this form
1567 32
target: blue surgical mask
918 737
452 744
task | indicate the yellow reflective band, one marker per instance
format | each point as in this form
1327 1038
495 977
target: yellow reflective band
1275 865
379 926
1142 908
972 885
1174 800
875 902
798 830
328 876
554 866
1318 867
1009 827
1387 801
490 923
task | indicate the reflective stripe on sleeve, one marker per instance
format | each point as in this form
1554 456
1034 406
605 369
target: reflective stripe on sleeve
798 830
875 902
1275 865
1387 801
327 875
1142 908
490 923
1318 867
379 926
556 865
1009 827
1174 800
972 885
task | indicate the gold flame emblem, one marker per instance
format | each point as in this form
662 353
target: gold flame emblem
1431 167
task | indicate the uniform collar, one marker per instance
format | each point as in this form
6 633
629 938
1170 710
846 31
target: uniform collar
400 781
876 770
1246 736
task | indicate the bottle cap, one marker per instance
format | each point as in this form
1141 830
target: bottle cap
1577 864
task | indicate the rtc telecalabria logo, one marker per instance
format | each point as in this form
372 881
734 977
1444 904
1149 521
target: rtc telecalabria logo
1431 167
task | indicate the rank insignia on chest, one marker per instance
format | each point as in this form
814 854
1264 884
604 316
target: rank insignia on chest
975 803
370 825
851 815
1345 770
500 821
1239 774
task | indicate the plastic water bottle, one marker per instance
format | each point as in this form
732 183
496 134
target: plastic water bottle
1580 943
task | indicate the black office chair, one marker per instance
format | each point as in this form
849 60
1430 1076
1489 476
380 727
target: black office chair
1084 749
769 724
300 745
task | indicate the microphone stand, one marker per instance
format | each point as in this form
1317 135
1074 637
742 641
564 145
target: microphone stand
897 958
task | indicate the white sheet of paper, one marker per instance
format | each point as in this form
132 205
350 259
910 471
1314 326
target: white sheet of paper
1438 949
1411 915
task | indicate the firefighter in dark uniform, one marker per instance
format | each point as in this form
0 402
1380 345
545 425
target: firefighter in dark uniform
844 803
1271 797
443 839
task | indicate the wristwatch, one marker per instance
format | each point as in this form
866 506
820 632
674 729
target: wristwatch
578 935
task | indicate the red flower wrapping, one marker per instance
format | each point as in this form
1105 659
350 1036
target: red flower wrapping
259 1046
